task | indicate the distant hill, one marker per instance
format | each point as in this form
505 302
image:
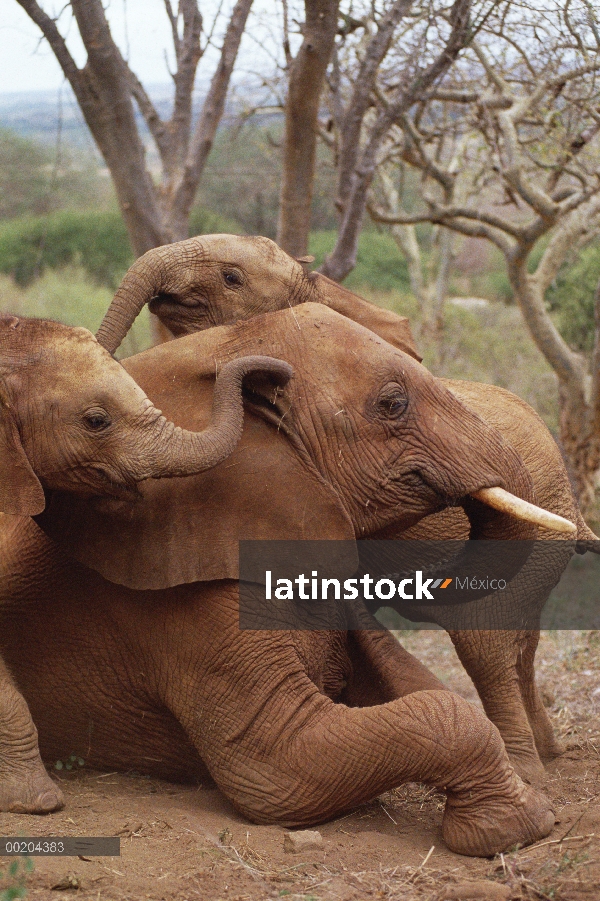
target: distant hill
36 114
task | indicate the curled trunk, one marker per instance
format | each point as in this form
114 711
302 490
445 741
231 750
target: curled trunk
162 270
178 452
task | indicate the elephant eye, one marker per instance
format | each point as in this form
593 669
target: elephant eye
97 420
392 402
232 278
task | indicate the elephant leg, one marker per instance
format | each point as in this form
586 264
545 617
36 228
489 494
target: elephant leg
547 745
285 753
490 658
382 670
25 786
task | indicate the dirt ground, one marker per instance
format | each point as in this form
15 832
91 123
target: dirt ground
182 842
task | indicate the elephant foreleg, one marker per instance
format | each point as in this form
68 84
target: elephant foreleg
547 745
284 752
383 670
490 658
25 786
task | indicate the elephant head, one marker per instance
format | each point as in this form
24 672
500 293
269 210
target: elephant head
72 419
218 279
361 439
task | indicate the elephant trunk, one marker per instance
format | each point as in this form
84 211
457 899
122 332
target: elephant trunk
162 270
178 452
477 468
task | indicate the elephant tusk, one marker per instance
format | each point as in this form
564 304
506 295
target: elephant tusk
506 502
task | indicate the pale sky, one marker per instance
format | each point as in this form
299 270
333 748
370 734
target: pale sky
138 25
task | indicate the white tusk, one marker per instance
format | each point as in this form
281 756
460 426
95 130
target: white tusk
506 502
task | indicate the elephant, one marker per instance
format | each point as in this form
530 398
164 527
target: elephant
219 279
215 279
72 419
144 664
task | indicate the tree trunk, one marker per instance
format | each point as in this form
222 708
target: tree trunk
579 419
580 443
106 90
431 292
307 72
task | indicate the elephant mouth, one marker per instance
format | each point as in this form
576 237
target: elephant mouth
454 495
180 315
173 303
103 483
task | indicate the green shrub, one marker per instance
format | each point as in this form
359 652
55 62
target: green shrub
13 885
572 298
96 241
34 182
205 222
379 263
69 295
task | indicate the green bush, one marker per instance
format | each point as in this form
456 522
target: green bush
379 263
205 222
34 182
69 295
96 241
571 298
14 884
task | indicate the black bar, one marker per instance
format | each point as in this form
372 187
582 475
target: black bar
61 846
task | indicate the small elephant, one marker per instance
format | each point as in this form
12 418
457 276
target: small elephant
72 419
294 727
220 279
215 279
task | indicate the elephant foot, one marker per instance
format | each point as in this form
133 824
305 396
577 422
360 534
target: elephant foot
29 790
527 764
551 751
522 751
548 746
492 823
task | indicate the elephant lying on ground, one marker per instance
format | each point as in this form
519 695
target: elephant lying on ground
71 418
216 279
165 682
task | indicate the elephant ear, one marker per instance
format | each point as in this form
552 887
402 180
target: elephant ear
184 530
20 490
392 328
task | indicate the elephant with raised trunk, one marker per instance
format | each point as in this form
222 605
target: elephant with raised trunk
294 727
219 279
215 279
72 419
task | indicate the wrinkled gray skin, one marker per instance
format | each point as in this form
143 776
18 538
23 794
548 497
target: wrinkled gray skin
72 419
294 727
215 279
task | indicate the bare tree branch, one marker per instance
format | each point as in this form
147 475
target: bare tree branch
351 125
212 110
343 257
49 29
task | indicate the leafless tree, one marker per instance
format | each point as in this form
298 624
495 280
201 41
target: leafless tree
305 75
429 272
387 59
526 94
107 91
